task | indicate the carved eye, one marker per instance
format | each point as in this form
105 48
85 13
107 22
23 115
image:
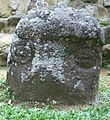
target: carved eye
22 54
23 51
85 62
85 58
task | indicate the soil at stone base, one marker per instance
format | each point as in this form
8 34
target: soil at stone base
3 73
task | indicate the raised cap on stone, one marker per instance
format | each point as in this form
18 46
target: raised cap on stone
61 20
56 55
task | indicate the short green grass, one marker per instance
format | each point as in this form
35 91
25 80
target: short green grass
10 111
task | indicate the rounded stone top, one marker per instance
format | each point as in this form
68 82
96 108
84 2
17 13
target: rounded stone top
58 21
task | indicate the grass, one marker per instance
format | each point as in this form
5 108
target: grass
11 111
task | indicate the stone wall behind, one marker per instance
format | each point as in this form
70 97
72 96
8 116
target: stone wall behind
12 7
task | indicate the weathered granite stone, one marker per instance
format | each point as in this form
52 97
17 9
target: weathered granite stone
56 55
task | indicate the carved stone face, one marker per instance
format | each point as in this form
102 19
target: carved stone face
61 62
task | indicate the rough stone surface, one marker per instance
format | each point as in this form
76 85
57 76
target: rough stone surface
56 55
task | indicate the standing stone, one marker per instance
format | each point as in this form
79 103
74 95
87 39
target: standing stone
56 55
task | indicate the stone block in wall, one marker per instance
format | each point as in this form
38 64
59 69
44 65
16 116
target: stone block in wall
3 22
106 54
8 25
96 10
13 7
106 3
56 55
5 41
13 20
107 34
72 3
100 2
